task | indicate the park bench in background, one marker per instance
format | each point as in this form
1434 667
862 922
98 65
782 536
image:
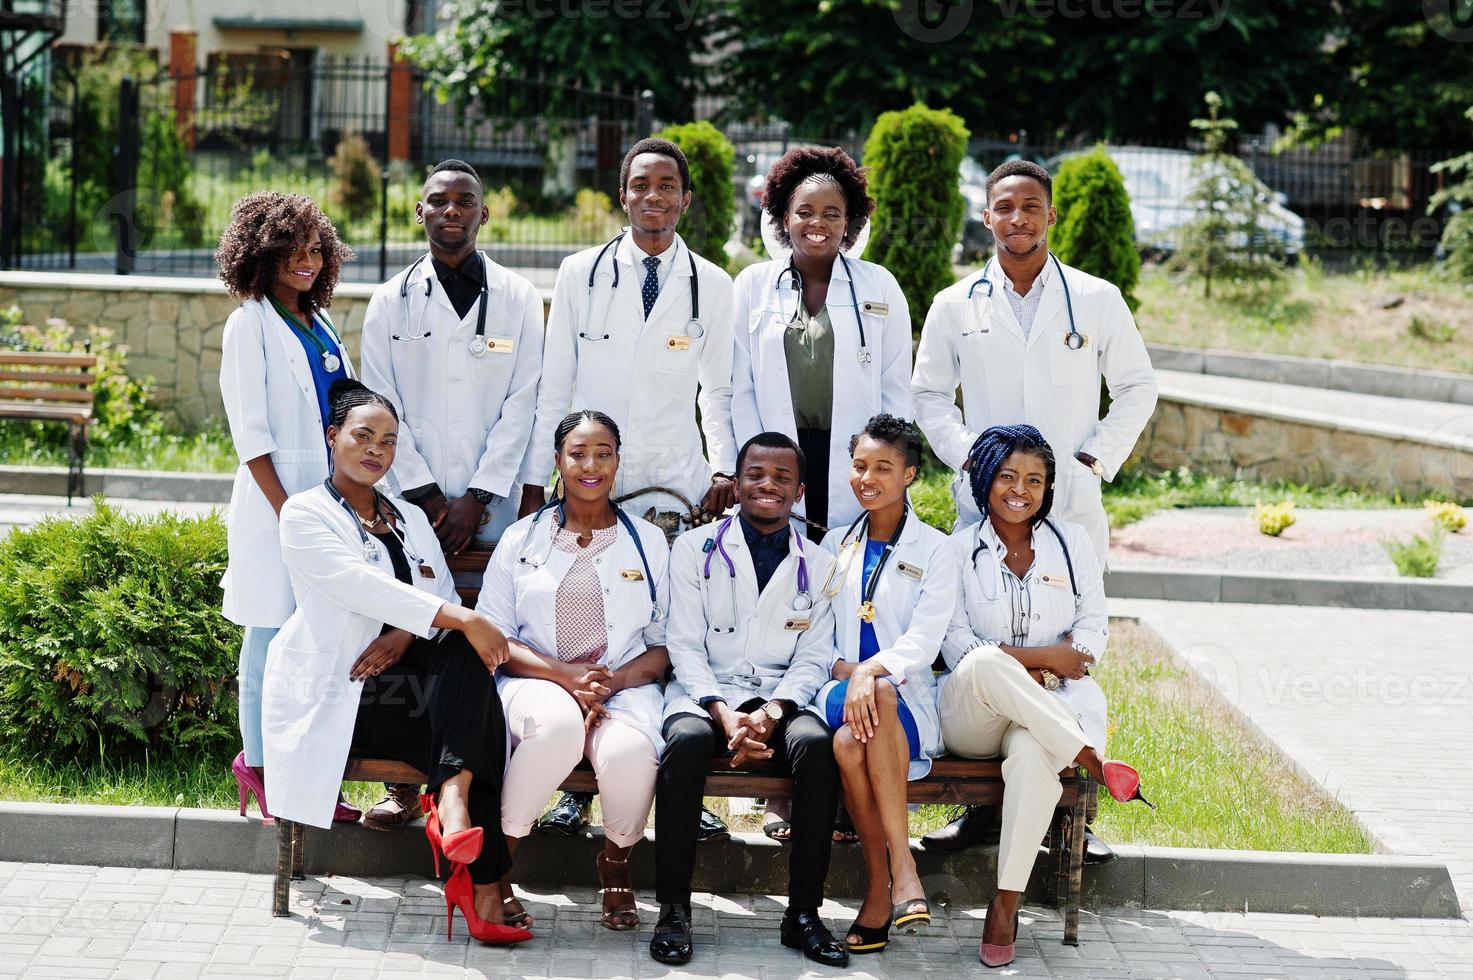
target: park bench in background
51 387
951 781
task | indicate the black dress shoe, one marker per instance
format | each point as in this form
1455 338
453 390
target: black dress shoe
803 929
568 816
1096 851
672 942
712 827
974 825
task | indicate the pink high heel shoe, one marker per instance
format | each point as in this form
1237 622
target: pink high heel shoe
346 812
248 782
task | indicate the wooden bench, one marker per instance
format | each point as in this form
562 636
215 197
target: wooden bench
951 781
51 387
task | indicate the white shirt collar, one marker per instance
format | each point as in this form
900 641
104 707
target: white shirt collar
634 255
1039 282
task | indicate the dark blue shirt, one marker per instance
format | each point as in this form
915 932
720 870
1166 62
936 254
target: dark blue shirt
869 644
322 378
768 550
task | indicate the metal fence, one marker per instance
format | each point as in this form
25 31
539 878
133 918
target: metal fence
141 178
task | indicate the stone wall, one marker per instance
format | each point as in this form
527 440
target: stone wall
171 327
1237 441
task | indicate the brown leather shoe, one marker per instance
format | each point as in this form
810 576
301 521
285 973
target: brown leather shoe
399 807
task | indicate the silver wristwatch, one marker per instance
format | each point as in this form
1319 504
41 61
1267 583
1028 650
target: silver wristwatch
1051 680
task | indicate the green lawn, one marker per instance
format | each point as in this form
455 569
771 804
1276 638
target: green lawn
1405 318
207 451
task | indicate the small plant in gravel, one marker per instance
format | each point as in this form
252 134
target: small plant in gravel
1274 519
1417 558
1446 515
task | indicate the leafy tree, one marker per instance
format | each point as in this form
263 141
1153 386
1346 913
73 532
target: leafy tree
1397 74
1095 231
511 58
708 223
1457 234
914 156
835 66
356 178
1227 238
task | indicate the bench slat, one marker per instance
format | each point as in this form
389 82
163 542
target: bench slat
50 377
952 780
45 394
35 410
54 359
468 561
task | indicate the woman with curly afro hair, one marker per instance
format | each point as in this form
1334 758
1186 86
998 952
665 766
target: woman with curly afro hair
281 257
822 338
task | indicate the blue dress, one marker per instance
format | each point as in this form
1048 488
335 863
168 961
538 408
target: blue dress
869 645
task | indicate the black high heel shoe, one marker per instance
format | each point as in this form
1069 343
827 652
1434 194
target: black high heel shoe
872 939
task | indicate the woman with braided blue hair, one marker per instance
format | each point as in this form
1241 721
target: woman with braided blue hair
1029 625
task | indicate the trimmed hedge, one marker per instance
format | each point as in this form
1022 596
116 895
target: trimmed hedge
712 215
111 638
915 157
1096 231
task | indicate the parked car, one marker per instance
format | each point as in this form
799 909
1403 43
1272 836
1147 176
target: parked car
1159 182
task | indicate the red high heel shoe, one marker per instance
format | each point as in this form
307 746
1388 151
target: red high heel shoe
248 782
1124 783
460 894
461 847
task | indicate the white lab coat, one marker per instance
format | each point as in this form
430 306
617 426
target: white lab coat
271 406
727 641
914 602
762 399
466 419
519 594
1006 379
344 599
601 353
984 614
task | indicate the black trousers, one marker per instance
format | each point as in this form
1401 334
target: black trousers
803 746
437 709
815 446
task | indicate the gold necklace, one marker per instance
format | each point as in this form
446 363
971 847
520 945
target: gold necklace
377 520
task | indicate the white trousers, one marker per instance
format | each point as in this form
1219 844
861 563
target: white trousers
547 740
990 706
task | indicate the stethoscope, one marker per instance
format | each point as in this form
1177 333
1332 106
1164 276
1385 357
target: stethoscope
477 345
370 546
330 361
849 546
693 328
538 560
997 576
797 277
1074 340
802 600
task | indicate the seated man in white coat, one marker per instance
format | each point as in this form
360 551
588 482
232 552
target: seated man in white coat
640 328
455 342
750 639
1028 340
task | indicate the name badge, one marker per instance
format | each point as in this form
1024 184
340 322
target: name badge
798 623
874 308
1054 580
677 343
501 345
910 571
632 575
426 571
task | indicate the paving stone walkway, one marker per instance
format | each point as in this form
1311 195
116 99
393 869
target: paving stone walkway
117 922
1374 705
